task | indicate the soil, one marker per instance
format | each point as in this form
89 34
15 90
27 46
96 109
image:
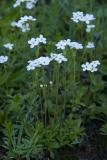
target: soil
93 147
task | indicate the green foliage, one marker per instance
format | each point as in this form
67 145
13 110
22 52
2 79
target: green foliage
36 119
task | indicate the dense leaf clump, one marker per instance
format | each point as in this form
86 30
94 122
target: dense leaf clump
53 78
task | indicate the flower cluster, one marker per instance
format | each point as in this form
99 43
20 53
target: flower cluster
29 3
58 57
41 61
89 27
92 66
3 59
9 46
22 23
62 44
80 17
90 45
76 45
44 61
35 41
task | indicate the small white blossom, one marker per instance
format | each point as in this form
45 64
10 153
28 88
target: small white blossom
50 82
26 27
58 57
80 17
27 18
88 18
33 64
77 16
76 45
89 27
22 23
86 66
41 39
9 46
62 44
41 85
44 61
3 59
92 66
90 45
28 3
35 41
18 2
41 61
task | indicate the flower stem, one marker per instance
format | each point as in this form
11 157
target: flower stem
74 77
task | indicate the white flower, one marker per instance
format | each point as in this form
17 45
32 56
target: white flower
9 46
88 18
50 82
35 41
44 61
68 41
22 23
92 66
63 43
41 85
26 27
77 16
96 62
76 45
86 66
18 2
3 59
58 57
33 64
29 3
26 18
90 45
80 17
53 55
41 61
89 27
41 39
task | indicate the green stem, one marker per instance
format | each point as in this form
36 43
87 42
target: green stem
64 105
41 108
57 84
74 77
37 52
21 11
45 100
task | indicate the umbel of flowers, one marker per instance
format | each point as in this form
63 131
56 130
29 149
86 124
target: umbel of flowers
44 61
28 3
22 23
85 18
78 16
